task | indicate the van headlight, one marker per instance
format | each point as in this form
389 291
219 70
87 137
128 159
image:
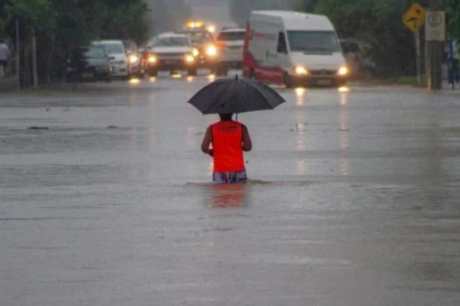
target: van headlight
301 70
343 71
133 59
152 59
211 51
189 59
195 52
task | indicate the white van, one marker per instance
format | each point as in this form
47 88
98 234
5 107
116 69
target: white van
294 49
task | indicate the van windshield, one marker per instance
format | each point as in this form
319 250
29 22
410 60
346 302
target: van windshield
313 41
112 48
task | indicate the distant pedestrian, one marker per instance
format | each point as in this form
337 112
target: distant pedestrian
4 56
225 141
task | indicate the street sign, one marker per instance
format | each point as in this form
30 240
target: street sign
414 17
435 29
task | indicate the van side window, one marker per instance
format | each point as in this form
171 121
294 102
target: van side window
282 47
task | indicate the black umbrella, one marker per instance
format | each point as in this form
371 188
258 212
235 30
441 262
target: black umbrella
235 95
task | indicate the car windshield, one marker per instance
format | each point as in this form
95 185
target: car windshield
231 36
313 41
114 48
171 41
95 53
199 38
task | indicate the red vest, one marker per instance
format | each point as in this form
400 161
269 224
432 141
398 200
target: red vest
227 139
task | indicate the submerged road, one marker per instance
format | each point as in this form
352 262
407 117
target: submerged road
105 200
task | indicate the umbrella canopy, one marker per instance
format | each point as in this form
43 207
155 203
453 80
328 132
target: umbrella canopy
235 95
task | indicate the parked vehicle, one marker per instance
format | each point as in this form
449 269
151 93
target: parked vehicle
89 63
170 51
230 42
118 56
294 49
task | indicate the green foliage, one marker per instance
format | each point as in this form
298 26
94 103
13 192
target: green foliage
453 13
378 24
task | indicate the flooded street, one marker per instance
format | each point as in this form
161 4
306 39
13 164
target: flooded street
105 199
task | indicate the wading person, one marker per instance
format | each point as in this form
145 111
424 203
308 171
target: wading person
225 141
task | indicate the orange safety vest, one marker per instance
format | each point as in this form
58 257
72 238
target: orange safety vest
227 138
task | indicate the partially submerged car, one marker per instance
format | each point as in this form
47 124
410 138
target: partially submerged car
170 51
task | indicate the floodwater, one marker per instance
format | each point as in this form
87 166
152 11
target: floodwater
105 200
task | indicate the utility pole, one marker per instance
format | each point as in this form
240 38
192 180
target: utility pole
34 59
18 54
435 25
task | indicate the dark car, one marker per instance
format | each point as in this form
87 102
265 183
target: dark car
89 63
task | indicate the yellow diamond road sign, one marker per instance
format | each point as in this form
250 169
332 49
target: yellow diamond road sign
414 18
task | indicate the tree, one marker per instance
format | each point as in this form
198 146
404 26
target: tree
378 24
453 13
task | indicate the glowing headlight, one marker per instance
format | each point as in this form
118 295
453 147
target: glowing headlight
133 59
195 52
300 70
189 59
343 71
211 51
211 28
152 59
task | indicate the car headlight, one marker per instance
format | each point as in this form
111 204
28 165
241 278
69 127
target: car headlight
195 52
343 71
133 59
189 59
152 59
301 70
211 51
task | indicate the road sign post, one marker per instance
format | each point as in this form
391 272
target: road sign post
414 19
435 35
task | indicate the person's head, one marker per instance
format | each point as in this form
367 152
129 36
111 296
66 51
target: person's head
225 117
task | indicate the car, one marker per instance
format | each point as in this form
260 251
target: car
89 63
170 51
204 42
294 49
230 42
118 56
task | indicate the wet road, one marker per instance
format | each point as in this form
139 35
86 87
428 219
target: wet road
105 200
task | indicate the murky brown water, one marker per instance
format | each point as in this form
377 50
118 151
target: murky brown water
353 200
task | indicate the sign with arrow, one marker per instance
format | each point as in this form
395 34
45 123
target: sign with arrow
414 17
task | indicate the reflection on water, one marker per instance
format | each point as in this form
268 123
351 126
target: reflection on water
134 81
190 79
152 79
228 195
344 135
300 93
176 76
343 89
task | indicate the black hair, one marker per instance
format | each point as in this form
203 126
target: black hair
225 117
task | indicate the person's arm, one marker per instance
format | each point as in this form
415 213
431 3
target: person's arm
247 143
205 145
